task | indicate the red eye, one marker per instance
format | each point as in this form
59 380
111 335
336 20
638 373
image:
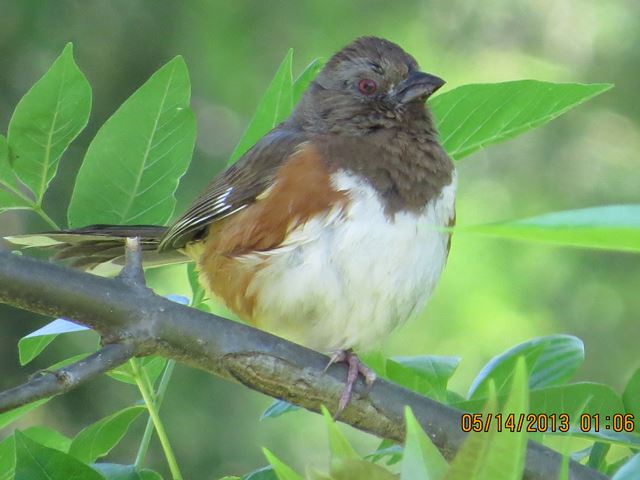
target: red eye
367 86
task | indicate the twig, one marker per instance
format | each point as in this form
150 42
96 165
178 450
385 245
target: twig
49 384
231 350
132 273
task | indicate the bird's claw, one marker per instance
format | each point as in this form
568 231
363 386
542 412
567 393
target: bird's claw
354 367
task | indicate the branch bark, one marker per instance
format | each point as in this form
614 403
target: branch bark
52 383
257 359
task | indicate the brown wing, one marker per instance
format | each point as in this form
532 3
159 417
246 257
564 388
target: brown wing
235 188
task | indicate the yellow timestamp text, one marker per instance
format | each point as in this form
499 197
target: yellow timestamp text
543 422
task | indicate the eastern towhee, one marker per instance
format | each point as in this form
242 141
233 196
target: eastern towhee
328 231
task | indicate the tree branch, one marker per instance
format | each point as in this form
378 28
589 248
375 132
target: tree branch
49 384
257 359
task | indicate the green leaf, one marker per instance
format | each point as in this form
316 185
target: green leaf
48 437
151 365
426 374
631 398
339 447
598 456
275 106
35 462
507 449
572 399
283 471
8 199
621 439
198 295
305 78
133 165
7 458
630 470
12 415
576 398
551 360
473 116
493 455
357 468
7 177
387 448
421 459
277 408
467 463
113 471
612 227
98 439
46 120
31 345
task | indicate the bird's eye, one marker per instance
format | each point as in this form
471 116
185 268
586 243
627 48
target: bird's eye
367 86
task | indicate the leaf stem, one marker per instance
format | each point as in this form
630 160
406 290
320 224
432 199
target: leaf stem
148 431
38 209
155 417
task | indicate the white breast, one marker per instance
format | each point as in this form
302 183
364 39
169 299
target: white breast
347 279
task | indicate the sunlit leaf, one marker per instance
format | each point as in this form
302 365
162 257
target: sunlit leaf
507 449
473 116
467 463
305 78
46 120
275 106
613 227
35 462
31 345
133 165
490 454
357 468
339 447
421 459
551 360
98 439
282 470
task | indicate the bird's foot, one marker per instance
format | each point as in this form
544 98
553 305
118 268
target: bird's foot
354 367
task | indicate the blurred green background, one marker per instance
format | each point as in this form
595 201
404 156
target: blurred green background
494 293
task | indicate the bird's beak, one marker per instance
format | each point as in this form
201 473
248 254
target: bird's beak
417 85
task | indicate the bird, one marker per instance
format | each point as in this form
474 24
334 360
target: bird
331 230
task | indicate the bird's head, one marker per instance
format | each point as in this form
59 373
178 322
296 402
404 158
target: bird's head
370 84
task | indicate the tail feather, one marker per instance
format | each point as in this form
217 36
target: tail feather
100 248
